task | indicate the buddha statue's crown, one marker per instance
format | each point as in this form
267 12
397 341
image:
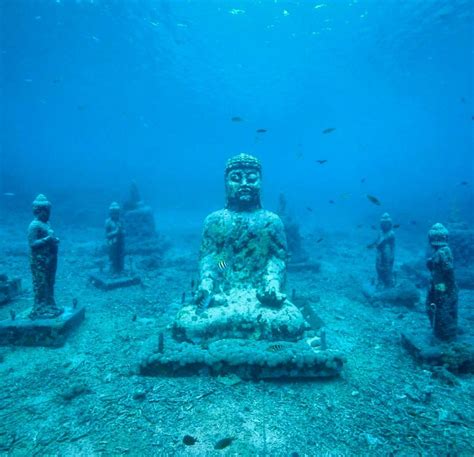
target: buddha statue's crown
385 218
114 206
41 201
243 160
438 235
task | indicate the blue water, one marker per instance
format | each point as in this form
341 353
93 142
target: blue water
96 93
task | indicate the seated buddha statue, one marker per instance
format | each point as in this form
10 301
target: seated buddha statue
243 254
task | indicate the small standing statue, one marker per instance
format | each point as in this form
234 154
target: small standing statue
43 260
442 299
114 234
385 245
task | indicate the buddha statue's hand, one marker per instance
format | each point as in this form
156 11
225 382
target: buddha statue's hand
271 297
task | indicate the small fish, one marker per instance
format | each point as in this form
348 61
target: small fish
359 225
362 181
321 161
81 107
223 443
237 119
236 11
395 226
261 130
413 222
371 245
332 202
221 265
275 348
308 208
329 130
374 200
189 440
8 194
319 240
344 196
464 183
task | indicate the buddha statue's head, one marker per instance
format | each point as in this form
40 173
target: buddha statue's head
243 177
41 208
114 211
385 222
438 236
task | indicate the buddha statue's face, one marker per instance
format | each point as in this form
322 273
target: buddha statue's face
243 188
42 212
385 225
114 214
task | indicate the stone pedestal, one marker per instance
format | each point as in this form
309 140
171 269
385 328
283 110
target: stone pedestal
457 356
9 288
248 359
23 331
106 282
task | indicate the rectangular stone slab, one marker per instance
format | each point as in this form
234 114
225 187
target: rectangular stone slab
24 331
247 359
104 282
457 356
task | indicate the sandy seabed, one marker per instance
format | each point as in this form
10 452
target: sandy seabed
86 399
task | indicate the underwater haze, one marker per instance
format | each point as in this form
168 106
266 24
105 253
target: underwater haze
186 329
96 93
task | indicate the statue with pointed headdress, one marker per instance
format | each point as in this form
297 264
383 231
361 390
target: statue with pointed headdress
43 260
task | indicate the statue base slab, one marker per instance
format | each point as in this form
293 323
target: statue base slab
457 356
9 289
23 331
248 359
239 314
105 282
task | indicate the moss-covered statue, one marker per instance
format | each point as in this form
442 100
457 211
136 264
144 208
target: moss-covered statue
114 234
43 260
242 267
385 246
442 299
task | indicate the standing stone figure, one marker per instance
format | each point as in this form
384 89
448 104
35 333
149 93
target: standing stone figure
114 234
43 260
442 299
385 245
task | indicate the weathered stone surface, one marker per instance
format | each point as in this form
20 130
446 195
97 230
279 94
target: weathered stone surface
23 331
106 282
457 356
249 359
402 294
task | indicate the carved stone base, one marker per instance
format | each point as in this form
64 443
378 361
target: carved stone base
23 331
239 315
248 359
105 282
457 356
9 288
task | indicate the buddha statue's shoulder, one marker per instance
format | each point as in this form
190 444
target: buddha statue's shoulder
37 225
270 218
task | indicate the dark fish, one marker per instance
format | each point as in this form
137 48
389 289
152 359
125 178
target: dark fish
223 443
81 107
374 200
321 161
192 284
309 209
464 183
329 130
396 226
261 130
359 225
363 180
413 222
332 202
319 240
237 119
189 440
275 348
372 245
